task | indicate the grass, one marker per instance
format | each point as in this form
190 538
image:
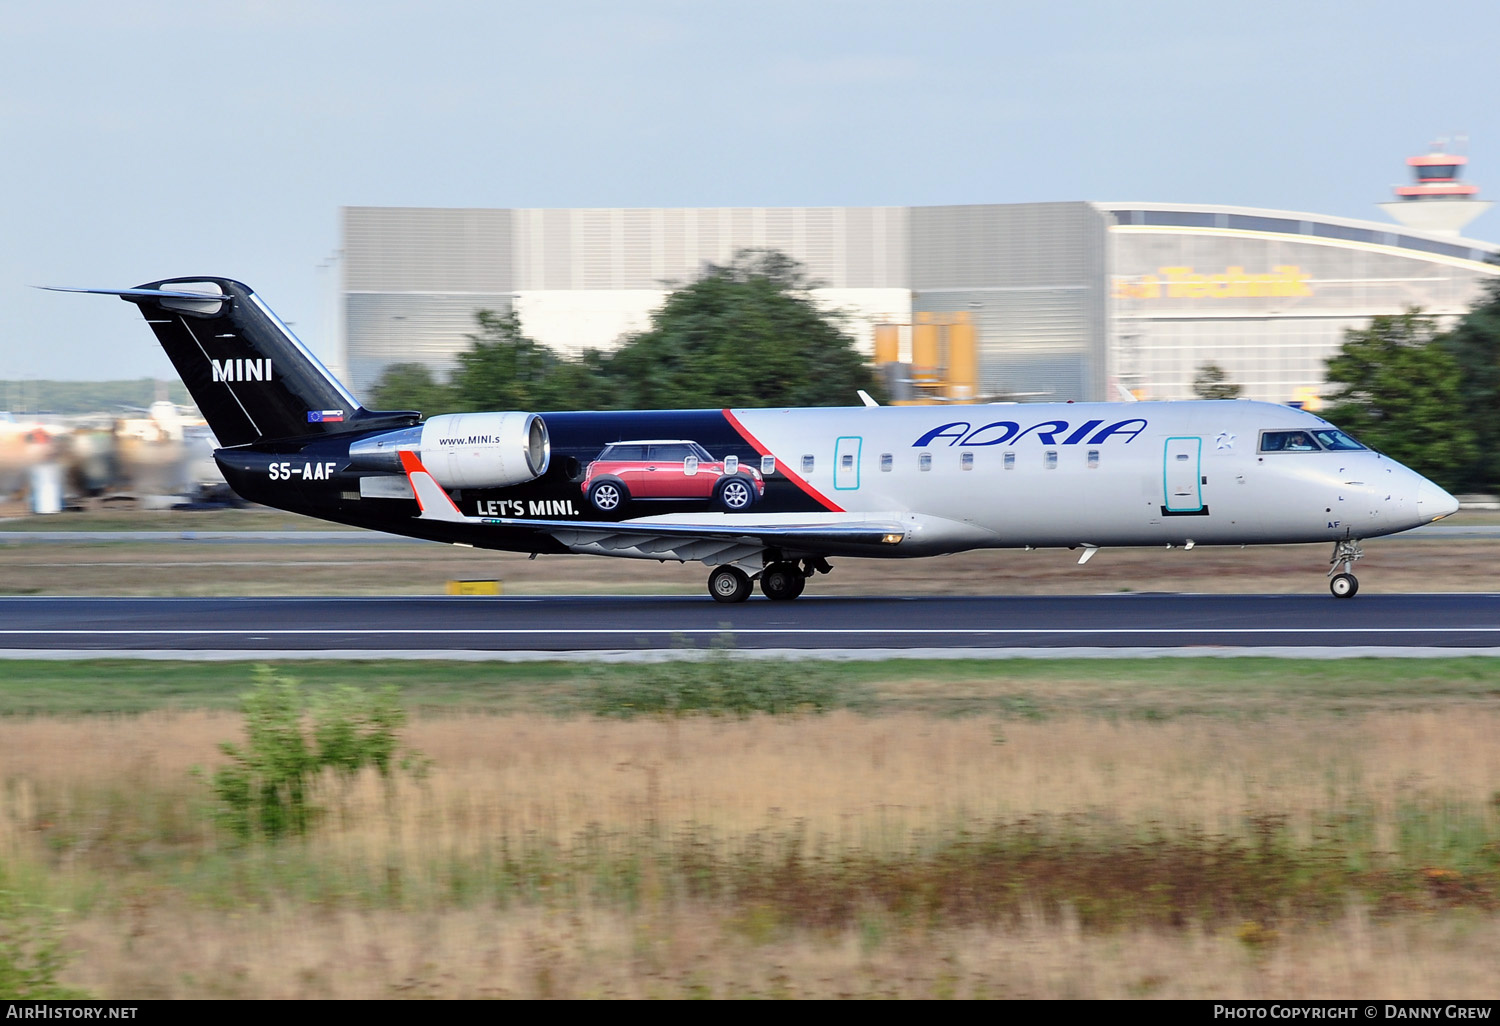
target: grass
1197 828
1012 689
844 854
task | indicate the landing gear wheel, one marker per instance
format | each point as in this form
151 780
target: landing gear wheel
1343 584
736 493
729 584
782 581
607 496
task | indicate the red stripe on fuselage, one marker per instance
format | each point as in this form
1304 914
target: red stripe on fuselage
782 465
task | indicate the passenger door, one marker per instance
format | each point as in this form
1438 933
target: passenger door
1182 476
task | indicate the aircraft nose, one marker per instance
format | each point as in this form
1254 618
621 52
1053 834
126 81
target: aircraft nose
1433 503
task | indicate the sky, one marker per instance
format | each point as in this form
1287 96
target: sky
158 138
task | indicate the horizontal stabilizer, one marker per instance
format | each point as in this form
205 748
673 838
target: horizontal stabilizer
128 293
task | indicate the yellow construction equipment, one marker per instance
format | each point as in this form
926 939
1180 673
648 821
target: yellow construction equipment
944 366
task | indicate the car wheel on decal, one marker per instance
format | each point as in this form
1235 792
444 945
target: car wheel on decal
736 493
608 496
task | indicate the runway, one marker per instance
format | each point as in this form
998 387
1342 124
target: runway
828 627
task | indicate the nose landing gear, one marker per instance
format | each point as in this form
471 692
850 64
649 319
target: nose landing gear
1343 583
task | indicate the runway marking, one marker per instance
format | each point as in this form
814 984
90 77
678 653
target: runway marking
636 631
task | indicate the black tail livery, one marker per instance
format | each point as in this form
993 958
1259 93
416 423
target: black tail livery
253 380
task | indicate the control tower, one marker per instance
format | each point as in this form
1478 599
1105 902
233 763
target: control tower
1438 202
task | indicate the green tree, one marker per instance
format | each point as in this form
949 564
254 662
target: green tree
744 334
584 384
1212 383
1399 391
1474 344
506 369
411 386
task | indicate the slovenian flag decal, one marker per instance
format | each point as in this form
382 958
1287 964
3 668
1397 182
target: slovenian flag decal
325 416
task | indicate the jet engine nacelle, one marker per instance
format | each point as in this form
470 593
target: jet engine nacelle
465 450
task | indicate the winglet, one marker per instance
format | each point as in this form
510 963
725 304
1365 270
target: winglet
434 502
865 397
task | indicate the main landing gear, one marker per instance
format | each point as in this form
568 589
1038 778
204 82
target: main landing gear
729 584
781 581
1343 583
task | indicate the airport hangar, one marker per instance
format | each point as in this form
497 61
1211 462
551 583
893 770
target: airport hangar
1070 300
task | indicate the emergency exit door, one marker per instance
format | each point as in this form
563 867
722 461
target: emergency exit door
846 463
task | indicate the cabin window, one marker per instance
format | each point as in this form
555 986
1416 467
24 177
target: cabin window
924 461
886 462
807 465
1010 461
767 466
1049 460
690 466
1093 459
966 461
846 461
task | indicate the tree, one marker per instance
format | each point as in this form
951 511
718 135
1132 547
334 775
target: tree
1474 343
1212 383
744 334
410 386
504 368
1400 392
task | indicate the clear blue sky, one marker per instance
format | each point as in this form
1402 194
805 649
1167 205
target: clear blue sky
150 139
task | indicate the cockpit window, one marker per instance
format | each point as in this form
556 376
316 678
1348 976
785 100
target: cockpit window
1336 440
1288 441
1307 441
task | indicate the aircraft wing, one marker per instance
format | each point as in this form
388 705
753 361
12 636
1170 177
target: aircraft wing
711 538
714 538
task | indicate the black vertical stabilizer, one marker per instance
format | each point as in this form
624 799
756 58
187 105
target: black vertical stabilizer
252 379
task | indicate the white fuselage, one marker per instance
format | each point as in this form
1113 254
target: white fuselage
1104 474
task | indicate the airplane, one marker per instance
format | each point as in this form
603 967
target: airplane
771 495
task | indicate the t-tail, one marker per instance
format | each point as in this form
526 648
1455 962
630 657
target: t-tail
252 379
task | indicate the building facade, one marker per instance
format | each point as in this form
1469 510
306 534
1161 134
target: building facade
1267 295
1070 300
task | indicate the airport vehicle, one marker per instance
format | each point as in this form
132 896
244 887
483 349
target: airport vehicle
861 481
665 469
